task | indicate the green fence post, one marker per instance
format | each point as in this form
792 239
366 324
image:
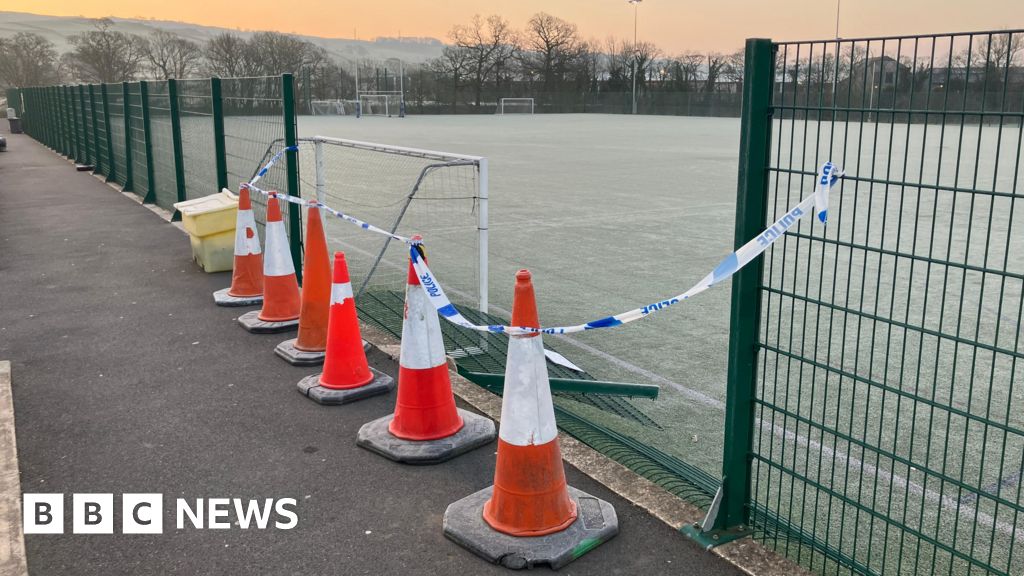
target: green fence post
728 518
147 138
220 151
112 164
129 169
179 160
99 165
291 139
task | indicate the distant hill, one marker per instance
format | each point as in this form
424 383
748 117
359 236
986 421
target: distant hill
57 29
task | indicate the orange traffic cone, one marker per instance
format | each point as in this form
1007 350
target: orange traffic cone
347 376
280 288
426 427
247 273
308 349
529 515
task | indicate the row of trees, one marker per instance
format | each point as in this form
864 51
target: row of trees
486 59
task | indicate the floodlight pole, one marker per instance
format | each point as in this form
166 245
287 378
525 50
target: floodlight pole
636 50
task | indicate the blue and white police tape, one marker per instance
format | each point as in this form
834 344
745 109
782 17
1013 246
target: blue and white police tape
350 219
273 160
828 176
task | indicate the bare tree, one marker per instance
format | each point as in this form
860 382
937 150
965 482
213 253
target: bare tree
279 53
27 59
553 46
716 63
228 56
489 44
453 65
171 56
106 55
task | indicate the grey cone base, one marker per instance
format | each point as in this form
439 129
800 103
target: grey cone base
476 431
252 323
289 353
222 298
311 388
595 524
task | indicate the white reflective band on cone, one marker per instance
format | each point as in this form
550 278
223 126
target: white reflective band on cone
422 346
244 245
340 293
278 261
527 415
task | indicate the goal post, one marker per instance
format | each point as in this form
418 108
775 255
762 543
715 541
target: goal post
515 106
388 104
332 107
441 195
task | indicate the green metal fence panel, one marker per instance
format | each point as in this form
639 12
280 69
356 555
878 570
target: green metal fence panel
82 118
137 140
99 135
195 107
254 130
108 136
164 184
102 144
116 107
889 416
87 125
179 160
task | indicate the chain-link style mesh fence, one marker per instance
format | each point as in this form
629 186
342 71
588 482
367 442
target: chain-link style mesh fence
253 132
890 423
195 107
137 138
165 186
116 108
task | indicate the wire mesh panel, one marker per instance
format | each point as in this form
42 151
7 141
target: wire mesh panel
889 433
88 124
162 144
137 135
102 150
253 132
80 129
115 104
195 106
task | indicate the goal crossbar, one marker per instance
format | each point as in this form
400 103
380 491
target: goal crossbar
517 101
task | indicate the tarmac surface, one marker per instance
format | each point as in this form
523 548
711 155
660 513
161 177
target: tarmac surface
127 379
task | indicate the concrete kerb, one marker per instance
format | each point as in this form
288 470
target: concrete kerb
746 554
12 540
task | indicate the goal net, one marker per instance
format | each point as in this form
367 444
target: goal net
410 191
515 106
332 107
380 104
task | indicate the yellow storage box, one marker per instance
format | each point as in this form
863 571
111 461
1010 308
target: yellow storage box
210 223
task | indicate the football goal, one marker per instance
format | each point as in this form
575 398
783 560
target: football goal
515 106
331 107
381 104
441 195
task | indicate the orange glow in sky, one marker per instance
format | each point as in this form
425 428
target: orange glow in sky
675 25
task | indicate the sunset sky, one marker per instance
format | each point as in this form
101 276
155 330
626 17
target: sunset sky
675 25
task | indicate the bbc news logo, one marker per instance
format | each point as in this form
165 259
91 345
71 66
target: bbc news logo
144 513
